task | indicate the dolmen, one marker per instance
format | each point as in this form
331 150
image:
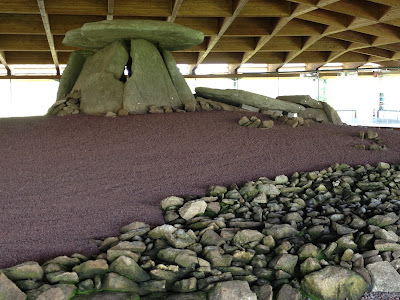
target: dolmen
95 80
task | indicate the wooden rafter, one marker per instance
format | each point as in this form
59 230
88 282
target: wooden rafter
50 40
4 62
175 10
110 10
299 10
225 25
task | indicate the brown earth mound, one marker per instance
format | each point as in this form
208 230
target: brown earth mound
67 180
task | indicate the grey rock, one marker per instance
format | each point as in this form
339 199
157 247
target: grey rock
135 246
318 115
150 82
192 208
332 114
385 278
180 239
389 236
304 100
383 245
334 282
211 238
308 251
284 262
232 290
281 231
133 226
115 282
281 179
171 201
184 92
383 220
246 236
238 97
269 189
160 231
28 270
169 35
101 94
310 265
8 289
108 296
62 277
153 286
71 73
287 292
263 292
114 254
185 285
91 268
127 267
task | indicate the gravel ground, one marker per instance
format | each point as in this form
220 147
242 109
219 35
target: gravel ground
67 180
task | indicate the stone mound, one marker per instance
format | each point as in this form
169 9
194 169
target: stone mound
168 35
329 234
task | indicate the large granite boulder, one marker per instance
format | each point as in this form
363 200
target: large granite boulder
111 59
71 73
334 282
332 114
184 92
304 100
314 113
238 97
101 94
150 82
8 289
97 35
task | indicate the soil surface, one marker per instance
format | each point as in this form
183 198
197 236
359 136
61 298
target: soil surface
66 180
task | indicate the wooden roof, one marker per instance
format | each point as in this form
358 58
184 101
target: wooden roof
273 32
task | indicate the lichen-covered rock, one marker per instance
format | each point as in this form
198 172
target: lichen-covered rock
8 289
127 267
334 282
91 268
115 282
171 201
28 270
192 208
304 100
232 290
238 97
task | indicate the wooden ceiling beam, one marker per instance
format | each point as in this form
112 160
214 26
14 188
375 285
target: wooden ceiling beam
352 66
225 25
4 62
110 9
49 35
376 52
313 66
175 9
299 9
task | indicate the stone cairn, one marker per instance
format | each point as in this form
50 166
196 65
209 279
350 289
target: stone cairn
94 81
329 234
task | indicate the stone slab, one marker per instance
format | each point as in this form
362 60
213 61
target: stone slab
101 94
184 92
384 277
315 114
150 82
238 97
332 114
111 59
170 36
304 100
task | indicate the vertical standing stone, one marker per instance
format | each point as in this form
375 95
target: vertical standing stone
184 92
150 82
71 73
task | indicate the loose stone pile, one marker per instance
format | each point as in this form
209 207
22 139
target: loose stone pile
375 142
329 234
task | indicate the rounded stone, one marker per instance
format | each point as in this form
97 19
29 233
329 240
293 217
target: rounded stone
170 36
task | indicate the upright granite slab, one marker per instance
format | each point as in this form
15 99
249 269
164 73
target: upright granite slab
332 114
238 97
71 73
150 82
111 59
184 92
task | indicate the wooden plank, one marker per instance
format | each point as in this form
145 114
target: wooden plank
49 35
235 44
110 10
206 8
18 7
225 25
393 3
310 57
266 8
250 27
189 58
175 10
352 36
4 62
352 66
60 24
29 57
297 27
329 44
351 57
357 8
328 18
21 24
153 8
77 7
209 26
376 52
267 58
283 43
14 42
380 30
313 66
